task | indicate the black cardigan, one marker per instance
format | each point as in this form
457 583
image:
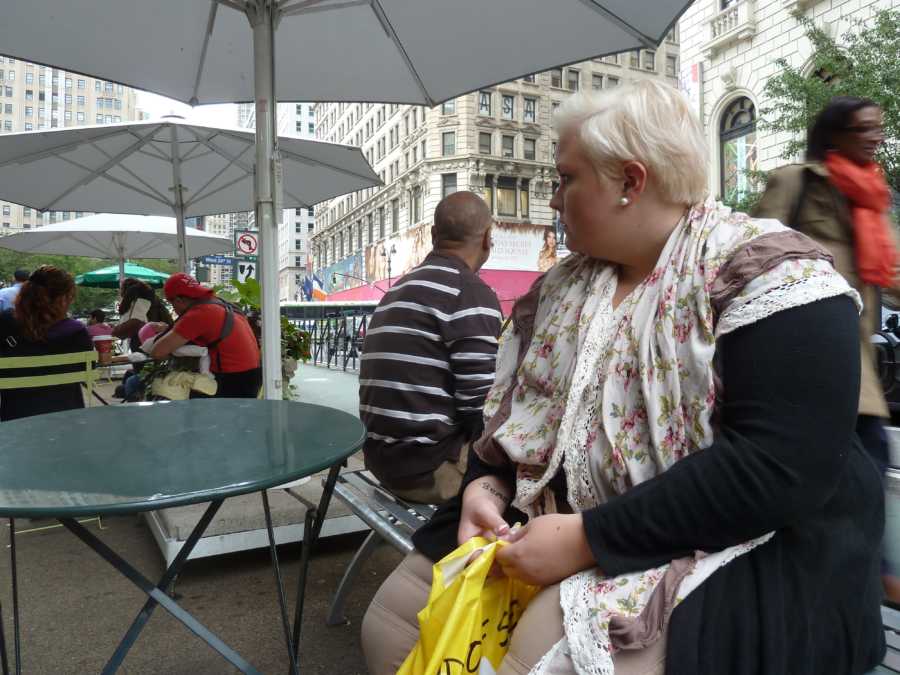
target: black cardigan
784 458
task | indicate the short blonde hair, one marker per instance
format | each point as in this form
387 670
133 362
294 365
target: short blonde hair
648 122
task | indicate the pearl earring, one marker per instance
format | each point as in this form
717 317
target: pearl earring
624 201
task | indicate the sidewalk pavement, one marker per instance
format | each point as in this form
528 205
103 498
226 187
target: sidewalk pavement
75 608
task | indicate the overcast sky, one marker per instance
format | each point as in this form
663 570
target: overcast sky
224 115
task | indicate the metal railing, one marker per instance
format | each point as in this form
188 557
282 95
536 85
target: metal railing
336 342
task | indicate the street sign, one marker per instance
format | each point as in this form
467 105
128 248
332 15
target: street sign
218 260
245 269
246 242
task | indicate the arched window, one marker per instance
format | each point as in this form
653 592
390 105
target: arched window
737 149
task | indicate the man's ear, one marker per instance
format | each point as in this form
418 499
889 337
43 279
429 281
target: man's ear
433 238
487 240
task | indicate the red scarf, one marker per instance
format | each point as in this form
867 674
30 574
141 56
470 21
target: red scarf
870 198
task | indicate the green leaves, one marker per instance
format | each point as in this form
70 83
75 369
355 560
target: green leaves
864 62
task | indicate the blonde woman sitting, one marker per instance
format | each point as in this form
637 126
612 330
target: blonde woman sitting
684 455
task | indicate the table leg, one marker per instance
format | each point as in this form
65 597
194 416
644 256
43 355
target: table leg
311 528
17 645
282 601
157 593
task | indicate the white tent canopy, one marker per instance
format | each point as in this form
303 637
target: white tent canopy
114 236
403 51
135 168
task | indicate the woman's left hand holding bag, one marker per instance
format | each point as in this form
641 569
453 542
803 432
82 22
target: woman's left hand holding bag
546 550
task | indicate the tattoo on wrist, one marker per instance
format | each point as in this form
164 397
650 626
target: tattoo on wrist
494 492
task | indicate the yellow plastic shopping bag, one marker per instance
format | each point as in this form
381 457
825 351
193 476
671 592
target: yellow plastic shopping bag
468 622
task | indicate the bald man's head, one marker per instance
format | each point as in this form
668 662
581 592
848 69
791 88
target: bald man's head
460 219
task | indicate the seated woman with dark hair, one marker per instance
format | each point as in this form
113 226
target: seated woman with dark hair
38 326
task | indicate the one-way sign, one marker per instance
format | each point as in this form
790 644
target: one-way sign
244 270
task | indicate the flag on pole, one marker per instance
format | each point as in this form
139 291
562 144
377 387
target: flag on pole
318 291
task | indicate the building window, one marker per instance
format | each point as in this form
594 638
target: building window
530 111
634 59
612 81
29 78
737 149
506 196
528 148
6 209
98 86
99 119
359 235
370 221
572 79
381 222
528 78
597 81
416 204
484 103
109 87
68 83
29 126
395 215
523 199
671 65
553 147
448 184
556 78
508 109
484 143
672 35
508 146
7 125
68 99
448 143
11 75
488 193
448 108
68 115
612 58
81 84
9 92
29 111
79 117
649 57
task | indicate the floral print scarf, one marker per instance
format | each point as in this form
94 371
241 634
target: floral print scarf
615 396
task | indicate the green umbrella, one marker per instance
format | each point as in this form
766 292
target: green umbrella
108 277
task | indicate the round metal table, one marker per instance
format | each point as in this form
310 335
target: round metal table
144 457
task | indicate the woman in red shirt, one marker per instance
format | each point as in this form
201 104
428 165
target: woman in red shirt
205 320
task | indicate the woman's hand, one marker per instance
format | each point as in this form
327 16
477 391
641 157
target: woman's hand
483 503
547 550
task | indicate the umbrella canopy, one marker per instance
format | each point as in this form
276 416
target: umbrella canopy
166 168
115 236
398 51
422 52
108 277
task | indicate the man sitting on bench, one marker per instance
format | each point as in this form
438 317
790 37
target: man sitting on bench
428 359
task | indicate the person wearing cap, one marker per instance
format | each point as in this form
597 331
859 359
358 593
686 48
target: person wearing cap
8 294
205 320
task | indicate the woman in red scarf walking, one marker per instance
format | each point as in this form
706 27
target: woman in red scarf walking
840 198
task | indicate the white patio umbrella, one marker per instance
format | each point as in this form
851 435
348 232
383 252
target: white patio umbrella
405 51
165 167
115 237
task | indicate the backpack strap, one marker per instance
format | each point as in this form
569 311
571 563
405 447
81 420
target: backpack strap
227 325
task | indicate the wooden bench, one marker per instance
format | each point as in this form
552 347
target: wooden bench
891 664
391 519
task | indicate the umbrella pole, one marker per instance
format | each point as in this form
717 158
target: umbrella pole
121 273
179 202
263 21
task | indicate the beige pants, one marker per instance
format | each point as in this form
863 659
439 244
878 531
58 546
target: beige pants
390 629
446 480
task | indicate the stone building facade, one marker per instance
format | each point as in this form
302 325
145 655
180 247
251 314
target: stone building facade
497 142
729 50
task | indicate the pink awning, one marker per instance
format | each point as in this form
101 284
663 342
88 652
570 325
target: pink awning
509 285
